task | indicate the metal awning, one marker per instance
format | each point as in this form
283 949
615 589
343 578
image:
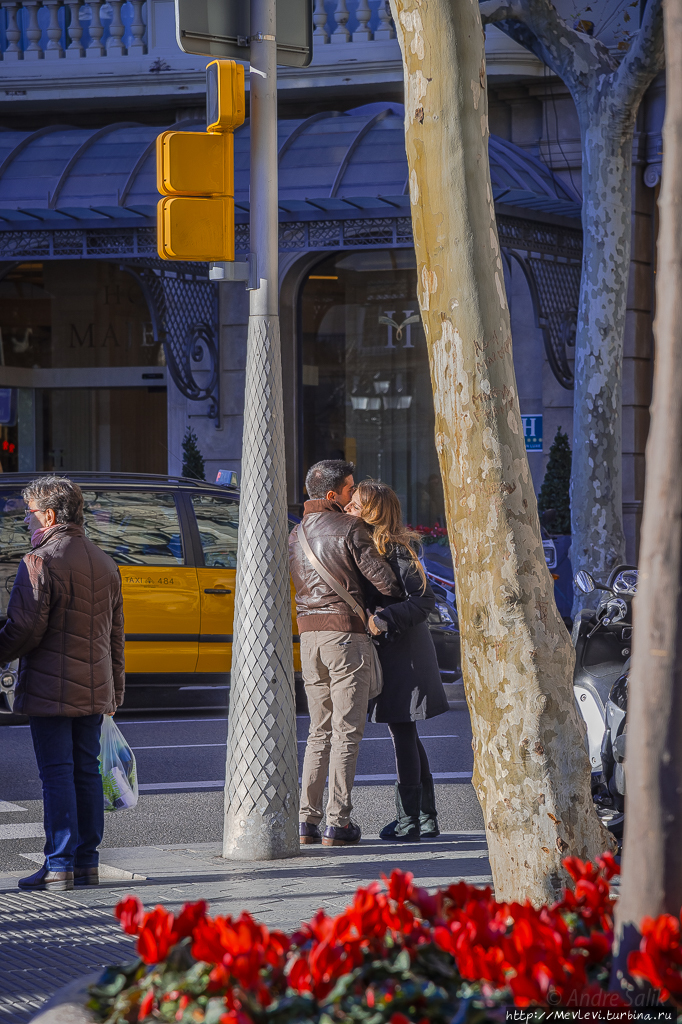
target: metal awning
332 165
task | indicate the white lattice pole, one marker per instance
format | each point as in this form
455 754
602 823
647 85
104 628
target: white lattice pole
261 785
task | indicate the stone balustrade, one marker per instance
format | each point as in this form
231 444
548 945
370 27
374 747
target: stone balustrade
33 30
369 22
55 29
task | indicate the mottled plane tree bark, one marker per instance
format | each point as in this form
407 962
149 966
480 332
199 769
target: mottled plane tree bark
531 772
652 850
607 91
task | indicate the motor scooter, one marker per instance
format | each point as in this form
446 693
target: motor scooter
602 638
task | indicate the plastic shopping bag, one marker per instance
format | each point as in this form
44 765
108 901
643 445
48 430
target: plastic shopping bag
117 767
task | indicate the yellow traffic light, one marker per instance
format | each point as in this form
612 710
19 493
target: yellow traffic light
195 174
195 164
196 228
225 101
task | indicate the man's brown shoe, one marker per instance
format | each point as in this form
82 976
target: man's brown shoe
86 876
308 833
56 881
335 835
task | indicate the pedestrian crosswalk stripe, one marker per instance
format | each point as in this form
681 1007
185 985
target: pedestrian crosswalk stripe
25 830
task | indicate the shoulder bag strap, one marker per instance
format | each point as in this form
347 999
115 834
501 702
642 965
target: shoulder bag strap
327 576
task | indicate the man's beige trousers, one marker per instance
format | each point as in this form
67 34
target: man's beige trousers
337 672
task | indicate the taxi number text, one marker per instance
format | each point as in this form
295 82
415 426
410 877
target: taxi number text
168 580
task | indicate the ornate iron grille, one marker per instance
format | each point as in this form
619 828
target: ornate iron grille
375 231
534 236
403 231
292 237
103 243
183 306
23 244
324 234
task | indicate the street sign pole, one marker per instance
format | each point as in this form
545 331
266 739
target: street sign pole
261 785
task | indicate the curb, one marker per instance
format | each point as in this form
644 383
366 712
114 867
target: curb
67 1006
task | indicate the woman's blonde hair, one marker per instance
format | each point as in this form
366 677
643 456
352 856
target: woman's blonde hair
380 510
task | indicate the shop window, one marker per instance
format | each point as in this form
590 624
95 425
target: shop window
9 455
365 376
102 429
74 313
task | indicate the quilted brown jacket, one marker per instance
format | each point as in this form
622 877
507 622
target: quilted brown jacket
344 546
65 623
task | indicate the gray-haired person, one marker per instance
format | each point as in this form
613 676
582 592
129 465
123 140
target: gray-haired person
336 652
65 623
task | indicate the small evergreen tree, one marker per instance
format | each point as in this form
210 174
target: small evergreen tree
192 459
554 493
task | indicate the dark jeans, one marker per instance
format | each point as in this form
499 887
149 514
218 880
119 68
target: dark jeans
73 802
411 761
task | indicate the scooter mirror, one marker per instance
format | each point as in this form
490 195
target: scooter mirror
584 582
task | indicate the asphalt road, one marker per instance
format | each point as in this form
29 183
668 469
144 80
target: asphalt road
181 769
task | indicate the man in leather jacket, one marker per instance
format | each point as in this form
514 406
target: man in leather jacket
336 651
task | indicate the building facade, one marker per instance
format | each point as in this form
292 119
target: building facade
110 353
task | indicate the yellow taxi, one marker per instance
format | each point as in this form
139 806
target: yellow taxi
175 541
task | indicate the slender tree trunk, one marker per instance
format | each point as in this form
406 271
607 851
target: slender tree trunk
531 772
607 91
652 863
598 541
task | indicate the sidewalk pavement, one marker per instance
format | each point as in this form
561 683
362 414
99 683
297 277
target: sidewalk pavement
48 939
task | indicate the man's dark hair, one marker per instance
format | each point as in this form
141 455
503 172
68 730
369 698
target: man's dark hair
60 494
328 475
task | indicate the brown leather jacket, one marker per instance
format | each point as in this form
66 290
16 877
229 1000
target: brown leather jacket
65 623
344 546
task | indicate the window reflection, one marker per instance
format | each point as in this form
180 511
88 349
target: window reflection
15 541
218 522
136 527
365 379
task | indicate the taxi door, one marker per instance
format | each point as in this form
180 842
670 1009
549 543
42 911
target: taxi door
141 531
217 522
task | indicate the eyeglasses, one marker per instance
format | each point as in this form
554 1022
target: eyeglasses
30 512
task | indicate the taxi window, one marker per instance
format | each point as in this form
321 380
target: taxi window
14 542
218 522
134 527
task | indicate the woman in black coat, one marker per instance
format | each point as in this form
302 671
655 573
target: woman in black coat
412 690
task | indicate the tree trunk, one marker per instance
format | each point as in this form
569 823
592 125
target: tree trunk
652 862
598 541
607 91
531 771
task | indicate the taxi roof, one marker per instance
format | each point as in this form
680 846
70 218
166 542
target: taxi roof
128 480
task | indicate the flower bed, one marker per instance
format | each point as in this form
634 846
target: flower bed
435 534
397 955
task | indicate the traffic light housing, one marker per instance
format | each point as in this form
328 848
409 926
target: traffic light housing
195 174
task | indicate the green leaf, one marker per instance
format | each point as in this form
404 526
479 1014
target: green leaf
403 961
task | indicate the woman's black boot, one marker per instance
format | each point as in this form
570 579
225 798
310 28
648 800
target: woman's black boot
408 804
428 819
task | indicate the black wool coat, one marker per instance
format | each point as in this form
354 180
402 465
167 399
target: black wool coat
413 689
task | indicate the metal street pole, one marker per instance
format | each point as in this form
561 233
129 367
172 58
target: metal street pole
261 785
